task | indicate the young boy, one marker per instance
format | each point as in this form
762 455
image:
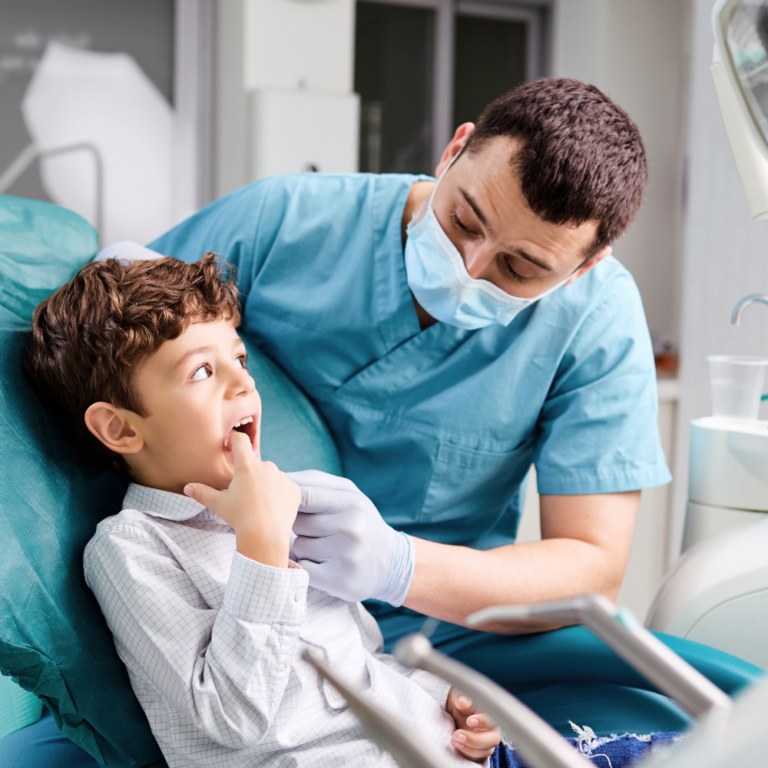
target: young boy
208 611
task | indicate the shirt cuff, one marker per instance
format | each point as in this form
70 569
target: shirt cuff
262 593
557 481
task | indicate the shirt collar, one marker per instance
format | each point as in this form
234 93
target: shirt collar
152 501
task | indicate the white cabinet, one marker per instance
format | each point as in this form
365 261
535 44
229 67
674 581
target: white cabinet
296 131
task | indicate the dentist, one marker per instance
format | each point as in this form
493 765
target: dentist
453 333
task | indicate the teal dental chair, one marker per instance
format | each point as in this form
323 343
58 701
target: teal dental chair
55 648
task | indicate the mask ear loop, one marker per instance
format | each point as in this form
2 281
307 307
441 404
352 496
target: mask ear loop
427 205
442 175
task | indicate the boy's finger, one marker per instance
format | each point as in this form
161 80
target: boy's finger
476 755
469 748
203 494
464 704
241 449
479 720
486 739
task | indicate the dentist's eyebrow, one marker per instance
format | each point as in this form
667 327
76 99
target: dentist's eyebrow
513 251
474 206
532 259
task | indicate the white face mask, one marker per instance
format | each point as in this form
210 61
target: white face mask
441 284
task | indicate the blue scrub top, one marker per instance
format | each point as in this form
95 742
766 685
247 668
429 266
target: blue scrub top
438 427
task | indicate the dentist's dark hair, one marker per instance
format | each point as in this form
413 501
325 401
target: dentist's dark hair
581 157
91 335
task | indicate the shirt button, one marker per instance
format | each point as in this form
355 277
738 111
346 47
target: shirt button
299 596
287 662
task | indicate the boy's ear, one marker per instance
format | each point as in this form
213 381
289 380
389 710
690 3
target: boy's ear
112 427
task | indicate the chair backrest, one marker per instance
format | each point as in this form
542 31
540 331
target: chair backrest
53 638
17 708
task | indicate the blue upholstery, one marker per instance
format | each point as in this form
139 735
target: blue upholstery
17 707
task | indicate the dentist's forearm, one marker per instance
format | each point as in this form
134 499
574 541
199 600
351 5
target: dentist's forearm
452 582
585 548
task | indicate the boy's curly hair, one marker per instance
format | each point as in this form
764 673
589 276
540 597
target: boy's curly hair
90 336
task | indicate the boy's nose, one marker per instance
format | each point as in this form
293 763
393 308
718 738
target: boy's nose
243 383
248 386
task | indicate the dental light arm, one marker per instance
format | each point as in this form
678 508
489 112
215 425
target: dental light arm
534 739
619 629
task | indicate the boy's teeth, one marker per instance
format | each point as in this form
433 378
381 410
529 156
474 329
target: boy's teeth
244 421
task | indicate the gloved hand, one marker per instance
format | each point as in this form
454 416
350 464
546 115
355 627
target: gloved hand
345 545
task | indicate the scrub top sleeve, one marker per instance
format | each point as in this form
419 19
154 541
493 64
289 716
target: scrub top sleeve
598 430
239 227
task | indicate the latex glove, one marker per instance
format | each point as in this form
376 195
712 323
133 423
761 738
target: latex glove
344 544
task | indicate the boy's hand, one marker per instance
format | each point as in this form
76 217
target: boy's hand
475 737
260 504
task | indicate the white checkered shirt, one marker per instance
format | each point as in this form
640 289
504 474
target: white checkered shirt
212 641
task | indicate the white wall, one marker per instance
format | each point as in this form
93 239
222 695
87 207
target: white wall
635 51
231 99
579 47
300 45
725 255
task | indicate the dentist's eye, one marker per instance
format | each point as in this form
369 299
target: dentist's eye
516 276
205 370
243 359
461 226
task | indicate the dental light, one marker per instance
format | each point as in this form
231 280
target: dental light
740 73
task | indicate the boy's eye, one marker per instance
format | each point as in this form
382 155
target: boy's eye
243 359
202 373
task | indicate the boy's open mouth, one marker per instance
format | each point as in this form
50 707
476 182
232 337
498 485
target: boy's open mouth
246 425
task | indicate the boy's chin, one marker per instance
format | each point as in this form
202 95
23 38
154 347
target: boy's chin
220 479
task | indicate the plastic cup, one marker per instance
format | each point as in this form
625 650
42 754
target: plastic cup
737 385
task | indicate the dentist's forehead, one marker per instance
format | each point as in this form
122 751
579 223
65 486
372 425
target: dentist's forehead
488 177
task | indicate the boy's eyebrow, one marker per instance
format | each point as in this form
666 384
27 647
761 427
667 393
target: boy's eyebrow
183 359
198 350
